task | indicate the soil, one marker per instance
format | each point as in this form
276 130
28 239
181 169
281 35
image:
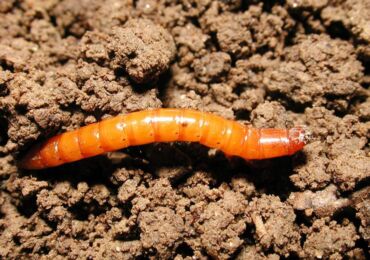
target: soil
68 63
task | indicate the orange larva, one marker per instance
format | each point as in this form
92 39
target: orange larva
165 125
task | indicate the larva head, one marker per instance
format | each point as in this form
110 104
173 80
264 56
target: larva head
269 143
298 137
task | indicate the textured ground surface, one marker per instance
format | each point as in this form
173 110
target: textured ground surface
67 63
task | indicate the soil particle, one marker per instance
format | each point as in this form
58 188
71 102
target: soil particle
323 203
363 110
307 4
98 193
197 188
234 31
19 234
252 252
339 130
356 253
220 224
160 194
76 18
329 240
26 186
312 174
325 159
6 5
143 48
46 200
270 114
242 185
15 53
146 6
121 175
212 66
231 34
249 72
190 42
352 14
127 190
22 96
348 169
274 224
58 214
161 229
361 199
320 75
10 21
7 167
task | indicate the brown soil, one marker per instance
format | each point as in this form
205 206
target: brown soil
67 63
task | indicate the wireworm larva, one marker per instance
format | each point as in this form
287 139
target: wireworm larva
165 125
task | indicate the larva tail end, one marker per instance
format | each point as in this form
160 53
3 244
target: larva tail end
298 137
32 160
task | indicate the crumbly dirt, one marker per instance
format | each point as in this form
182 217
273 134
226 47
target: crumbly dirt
68 63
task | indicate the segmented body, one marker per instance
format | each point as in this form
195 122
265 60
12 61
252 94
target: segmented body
164 125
